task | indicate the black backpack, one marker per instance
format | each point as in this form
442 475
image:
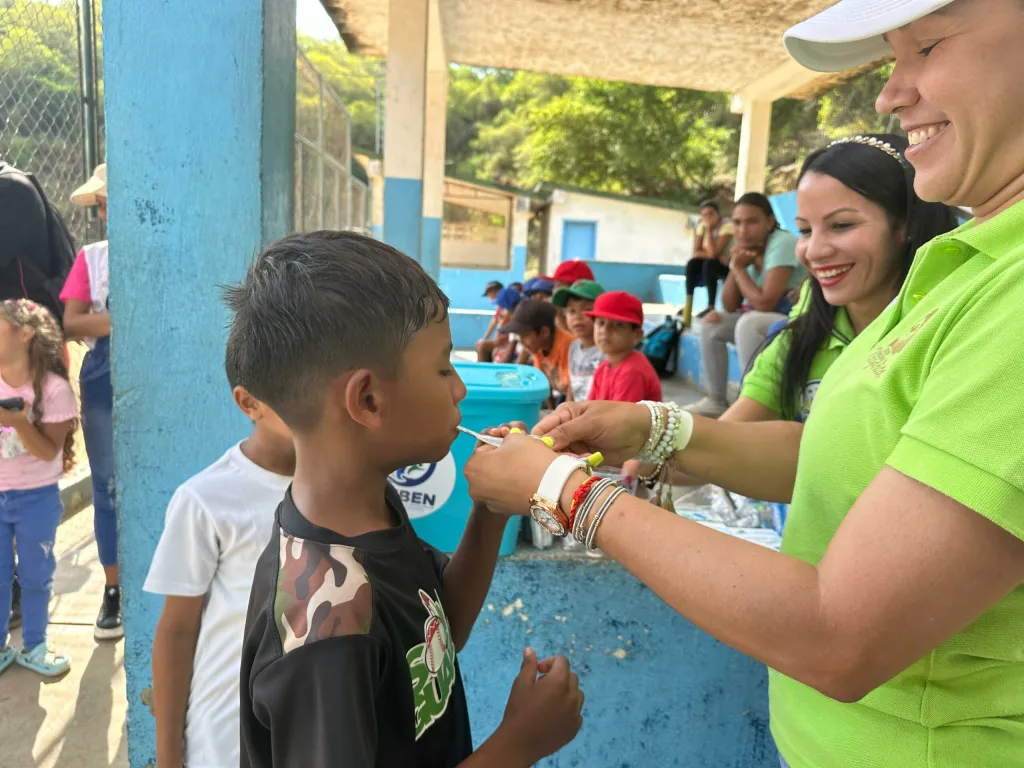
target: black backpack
661 346
44 282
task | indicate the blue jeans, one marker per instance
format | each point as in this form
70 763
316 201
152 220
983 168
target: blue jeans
31 518
98 430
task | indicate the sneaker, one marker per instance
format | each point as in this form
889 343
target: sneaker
708 406
15 619
45 660
7 655
704 312
108 623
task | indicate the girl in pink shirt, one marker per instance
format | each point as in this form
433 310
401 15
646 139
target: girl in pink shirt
36 439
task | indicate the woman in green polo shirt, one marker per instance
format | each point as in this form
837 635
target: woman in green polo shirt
860 225
893 620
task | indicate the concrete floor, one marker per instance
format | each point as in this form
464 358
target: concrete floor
77 721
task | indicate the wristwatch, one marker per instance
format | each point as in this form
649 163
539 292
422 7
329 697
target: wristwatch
544 504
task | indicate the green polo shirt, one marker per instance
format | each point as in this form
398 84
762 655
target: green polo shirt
933 388
763 382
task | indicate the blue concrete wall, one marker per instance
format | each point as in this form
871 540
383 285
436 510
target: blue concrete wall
692 367
403 214
465 287
639 279
659 691
784 206
430 245
199 178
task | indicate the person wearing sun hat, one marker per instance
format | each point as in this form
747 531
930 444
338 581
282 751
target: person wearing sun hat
891 620
87 317
575 302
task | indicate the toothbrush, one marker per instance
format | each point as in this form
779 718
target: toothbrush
593 459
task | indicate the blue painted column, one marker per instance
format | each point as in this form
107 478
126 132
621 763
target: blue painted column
403 124
434 120
200 119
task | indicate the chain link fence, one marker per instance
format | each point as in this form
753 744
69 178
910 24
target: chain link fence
43 126
328 195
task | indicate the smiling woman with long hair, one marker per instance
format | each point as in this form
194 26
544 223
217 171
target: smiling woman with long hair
892 619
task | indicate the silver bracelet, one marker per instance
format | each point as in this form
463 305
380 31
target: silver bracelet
599 516
579 523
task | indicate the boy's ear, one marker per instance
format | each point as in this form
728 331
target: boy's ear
246 403
361 398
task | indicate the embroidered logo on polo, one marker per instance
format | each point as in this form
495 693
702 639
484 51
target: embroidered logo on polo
432 666
878 360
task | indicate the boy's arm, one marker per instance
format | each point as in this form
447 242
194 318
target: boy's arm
491 328
174 645
468 576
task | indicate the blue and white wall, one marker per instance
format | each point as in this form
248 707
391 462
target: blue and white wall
200 178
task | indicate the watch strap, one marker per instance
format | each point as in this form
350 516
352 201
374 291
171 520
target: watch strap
557 475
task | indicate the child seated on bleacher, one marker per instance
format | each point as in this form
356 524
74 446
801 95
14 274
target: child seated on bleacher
584 354
626 375
534 323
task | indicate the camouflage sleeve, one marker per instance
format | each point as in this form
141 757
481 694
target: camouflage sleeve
319 704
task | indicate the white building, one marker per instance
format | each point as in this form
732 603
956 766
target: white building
597 226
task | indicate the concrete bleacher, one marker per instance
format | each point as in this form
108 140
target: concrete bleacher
468 325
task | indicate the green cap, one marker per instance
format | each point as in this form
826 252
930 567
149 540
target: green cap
581 289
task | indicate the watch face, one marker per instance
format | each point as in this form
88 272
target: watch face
547 521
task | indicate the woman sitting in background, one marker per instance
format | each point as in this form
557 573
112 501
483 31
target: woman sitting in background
860 225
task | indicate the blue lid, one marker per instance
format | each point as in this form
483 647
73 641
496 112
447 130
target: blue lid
503 383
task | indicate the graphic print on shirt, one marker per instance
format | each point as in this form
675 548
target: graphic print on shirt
806 398
322 592
11 445
432 666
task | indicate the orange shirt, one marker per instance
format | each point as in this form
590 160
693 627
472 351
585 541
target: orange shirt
556 362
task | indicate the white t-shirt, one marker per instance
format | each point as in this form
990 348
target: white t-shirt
217 525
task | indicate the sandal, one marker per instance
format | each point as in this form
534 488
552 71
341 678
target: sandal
7 655
45 660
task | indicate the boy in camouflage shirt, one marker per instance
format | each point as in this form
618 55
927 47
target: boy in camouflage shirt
349 656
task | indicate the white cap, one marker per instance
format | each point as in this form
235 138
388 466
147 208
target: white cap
849 33
95 187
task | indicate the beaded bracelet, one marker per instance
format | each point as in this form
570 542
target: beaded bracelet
578 496
664 429
657 426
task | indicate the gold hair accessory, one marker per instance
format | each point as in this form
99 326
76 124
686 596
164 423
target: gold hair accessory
870 141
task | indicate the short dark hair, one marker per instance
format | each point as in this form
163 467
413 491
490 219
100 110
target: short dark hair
709 204
313 306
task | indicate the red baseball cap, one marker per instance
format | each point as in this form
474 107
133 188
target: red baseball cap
618 305
569 272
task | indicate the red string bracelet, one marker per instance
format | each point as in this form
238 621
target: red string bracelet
578 496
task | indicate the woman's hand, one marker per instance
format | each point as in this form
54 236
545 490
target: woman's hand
618 430
743 257
506 478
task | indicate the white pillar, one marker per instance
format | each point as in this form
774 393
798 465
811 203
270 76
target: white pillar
753 159
435 119
403 124
520 234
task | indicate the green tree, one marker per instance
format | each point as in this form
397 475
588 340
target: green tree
354 79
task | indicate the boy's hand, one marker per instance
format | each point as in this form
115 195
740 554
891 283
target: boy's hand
543 714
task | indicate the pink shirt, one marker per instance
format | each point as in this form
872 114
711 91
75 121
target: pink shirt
19 469
77 284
